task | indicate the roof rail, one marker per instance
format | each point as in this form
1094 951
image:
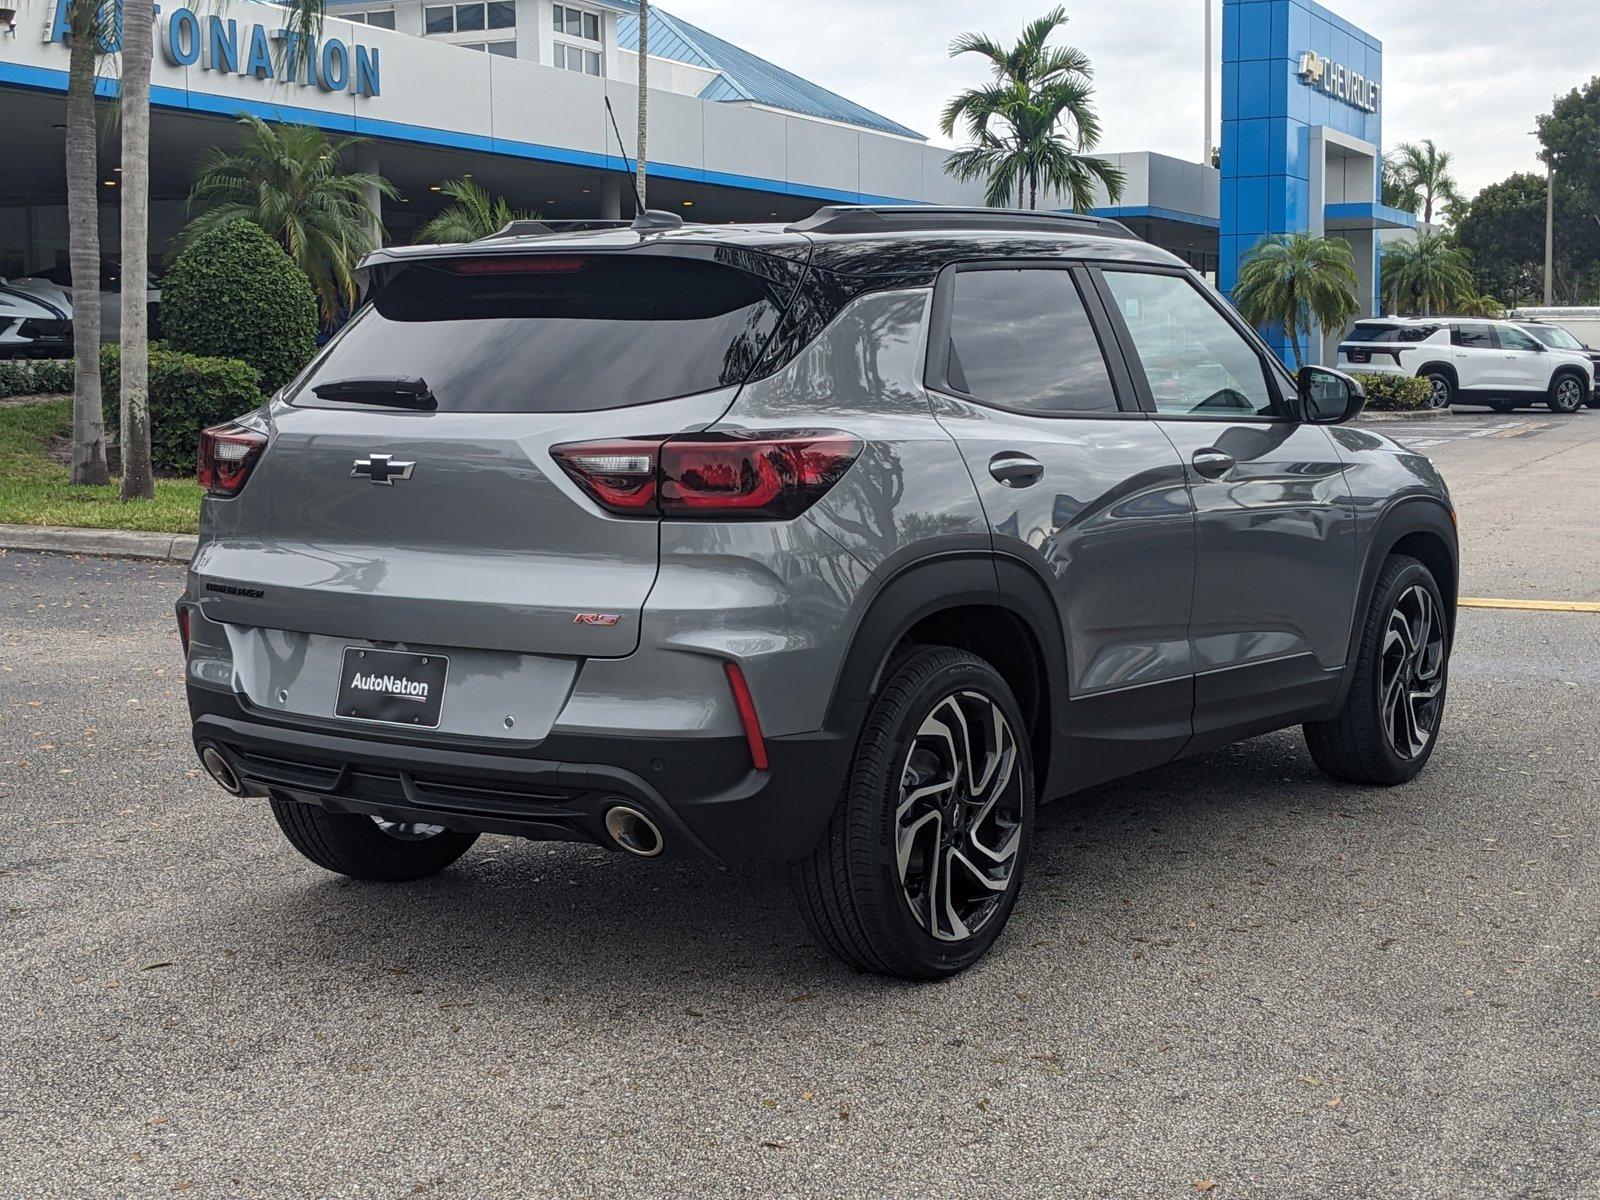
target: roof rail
542 228
900 218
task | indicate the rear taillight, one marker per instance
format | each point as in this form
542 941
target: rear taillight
227 455
713 475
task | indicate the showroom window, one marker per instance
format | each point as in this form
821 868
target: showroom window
584 25
382 18
1022 340
444 19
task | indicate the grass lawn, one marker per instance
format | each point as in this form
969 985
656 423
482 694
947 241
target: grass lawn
34 488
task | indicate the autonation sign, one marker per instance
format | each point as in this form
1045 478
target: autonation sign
1339 81
213 43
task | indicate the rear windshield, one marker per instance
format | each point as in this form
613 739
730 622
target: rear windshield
555 333
1392 333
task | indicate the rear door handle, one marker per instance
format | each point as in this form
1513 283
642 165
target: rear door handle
1212 463
1014 470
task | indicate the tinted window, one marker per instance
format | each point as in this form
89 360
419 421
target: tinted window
597 332
1196 362
1392 333
1474 337
1022 340
1515 339
1554 336
383 20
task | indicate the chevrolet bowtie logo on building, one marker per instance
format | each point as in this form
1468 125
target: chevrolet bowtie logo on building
1339 81
382 468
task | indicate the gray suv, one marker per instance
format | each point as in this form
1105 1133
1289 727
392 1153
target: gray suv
839 545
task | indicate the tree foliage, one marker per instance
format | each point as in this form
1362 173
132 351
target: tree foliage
1029 126
1421 173
1425 275
291 181
234 293
1299 283
474 214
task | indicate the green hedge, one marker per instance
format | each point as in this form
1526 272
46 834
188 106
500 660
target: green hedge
35 376
187 393
1394 393
234 293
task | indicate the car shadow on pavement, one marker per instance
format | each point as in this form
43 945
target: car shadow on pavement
521 916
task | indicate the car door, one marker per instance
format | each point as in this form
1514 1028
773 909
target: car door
1275 568
1525 363
1080 487
1475 351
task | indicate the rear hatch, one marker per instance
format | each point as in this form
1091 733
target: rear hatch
451 524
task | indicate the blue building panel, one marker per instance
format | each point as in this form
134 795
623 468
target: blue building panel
1271 107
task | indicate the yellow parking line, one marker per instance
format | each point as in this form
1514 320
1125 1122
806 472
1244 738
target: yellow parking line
1580 606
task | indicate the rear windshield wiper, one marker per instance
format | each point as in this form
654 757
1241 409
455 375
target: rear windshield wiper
393 391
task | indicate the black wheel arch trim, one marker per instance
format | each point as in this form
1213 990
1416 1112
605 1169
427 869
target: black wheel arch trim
954 579
1406 516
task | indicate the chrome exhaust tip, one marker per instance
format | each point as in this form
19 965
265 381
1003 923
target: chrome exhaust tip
219 769
634 832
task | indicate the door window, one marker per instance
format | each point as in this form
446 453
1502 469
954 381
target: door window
1196 362
1022 340
1515 339
1473 337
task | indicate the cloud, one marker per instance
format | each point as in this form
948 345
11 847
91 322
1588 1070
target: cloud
1471 74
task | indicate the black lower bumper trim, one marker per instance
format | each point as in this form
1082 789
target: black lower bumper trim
702 792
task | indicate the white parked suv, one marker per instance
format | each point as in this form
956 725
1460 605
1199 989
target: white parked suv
1471 361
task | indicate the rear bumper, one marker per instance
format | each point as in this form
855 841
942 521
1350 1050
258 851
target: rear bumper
702 792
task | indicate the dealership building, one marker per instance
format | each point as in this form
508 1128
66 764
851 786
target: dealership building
513 93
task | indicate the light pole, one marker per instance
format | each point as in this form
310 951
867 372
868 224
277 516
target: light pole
1550 235
1207 159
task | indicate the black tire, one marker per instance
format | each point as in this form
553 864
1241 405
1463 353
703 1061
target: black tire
1359 745
359 847
1443 389
853 889
1568 393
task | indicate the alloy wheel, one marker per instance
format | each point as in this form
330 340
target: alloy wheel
1569 394
408 831
1438 391
1412 673
958 823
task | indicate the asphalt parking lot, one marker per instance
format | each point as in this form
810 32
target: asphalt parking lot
1225 978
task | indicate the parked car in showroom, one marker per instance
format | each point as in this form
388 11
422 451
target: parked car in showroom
1470 361
35 319
111 299
839 545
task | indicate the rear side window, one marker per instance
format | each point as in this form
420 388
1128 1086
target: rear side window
1390 334
1022 340
556 333
1474 337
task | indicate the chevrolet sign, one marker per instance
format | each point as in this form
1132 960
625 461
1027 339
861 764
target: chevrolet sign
1339 81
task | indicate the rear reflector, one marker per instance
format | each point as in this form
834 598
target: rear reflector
183 627
747 715
228 453
542 264
771 475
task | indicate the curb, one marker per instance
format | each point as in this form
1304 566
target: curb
107 543
1416 414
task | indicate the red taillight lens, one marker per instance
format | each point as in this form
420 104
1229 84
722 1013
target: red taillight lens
183 627
745 474
227 455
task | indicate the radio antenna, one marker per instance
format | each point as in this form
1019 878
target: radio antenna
622 148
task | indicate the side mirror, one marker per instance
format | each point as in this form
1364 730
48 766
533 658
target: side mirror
1329 397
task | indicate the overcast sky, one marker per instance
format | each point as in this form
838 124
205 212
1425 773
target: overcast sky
1471 74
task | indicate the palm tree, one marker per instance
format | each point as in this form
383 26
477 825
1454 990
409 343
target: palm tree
1424 172
1030 125
1425 275
85 26
291 181
1397 193
475 214
1302 283
138 34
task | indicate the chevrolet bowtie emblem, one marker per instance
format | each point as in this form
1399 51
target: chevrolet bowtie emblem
1312 67
382 468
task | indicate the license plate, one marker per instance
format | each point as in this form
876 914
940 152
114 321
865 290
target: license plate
1360 356
395 688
